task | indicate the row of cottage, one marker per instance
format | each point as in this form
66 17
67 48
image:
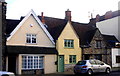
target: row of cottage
39 44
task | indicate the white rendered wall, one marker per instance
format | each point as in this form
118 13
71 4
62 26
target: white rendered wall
115 52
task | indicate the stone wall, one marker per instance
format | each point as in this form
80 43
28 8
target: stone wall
103 53
33 71
69 67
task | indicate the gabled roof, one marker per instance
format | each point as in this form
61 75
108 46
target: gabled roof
21 23
82 31
55 27
89 36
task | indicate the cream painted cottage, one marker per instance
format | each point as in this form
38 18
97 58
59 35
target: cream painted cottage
30 47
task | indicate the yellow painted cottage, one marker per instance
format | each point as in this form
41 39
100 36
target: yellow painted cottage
68 48
67 40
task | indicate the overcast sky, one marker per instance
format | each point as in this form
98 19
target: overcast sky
80 9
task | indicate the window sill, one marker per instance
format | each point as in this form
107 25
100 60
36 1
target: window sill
68 48
31 43
98 47
72 63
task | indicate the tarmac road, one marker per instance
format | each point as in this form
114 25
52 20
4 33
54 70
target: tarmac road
115 73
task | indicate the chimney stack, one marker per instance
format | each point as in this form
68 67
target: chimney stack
108 15
68 15
43 19
97 18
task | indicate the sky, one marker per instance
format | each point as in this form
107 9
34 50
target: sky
80 9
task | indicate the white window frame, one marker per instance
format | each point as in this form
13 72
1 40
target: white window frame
30 38
40 60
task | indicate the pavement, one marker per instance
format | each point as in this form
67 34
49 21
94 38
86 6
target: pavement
116 69
72 73
66 73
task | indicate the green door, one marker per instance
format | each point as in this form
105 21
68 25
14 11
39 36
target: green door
61 63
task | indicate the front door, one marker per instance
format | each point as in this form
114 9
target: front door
61 63
12 63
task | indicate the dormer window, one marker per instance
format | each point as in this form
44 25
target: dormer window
31 38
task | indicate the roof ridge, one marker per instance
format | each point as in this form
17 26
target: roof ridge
62 19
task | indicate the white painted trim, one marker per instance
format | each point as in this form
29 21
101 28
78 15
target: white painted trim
32 54
39 22
33 62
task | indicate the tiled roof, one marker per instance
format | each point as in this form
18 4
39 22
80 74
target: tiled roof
85 31
11 24
82 30
89 36
110 39
55 27
30 50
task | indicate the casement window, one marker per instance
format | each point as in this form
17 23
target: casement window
68 43
31 38
98 44
117 59
72 59
32 62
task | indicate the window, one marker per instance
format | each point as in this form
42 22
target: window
32 62
31 38
72 59
68 43
117 59
98 44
